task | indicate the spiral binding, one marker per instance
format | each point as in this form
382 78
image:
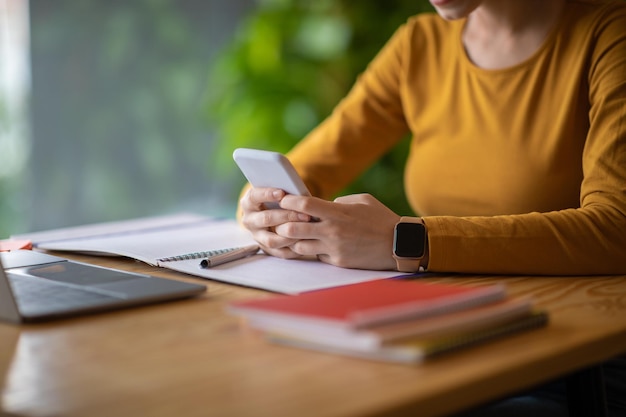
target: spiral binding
196 255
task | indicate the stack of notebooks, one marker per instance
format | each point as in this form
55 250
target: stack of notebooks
397 320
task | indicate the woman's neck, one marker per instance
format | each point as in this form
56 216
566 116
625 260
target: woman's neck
503 33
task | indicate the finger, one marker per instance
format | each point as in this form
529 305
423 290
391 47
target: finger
284 253
324 258
271 240
313 206
256 197
317 248
309 247
299 230
354 198
275 245
265 219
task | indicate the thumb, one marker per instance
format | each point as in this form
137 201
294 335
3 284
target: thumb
353 198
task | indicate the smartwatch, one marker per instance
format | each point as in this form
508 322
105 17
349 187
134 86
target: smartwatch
410 243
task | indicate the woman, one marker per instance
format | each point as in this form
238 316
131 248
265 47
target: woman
517 165
518 153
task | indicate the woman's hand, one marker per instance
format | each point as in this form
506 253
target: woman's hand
262 221
354 231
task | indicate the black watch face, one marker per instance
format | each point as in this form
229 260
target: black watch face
409 240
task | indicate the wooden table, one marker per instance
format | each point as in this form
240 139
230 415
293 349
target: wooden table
189 358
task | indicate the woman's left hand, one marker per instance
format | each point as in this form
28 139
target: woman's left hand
354 231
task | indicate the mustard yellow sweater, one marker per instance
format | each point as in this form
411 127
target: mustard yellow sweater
520 170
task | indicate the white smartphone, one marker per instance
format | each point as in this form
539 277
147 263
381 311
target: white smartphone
269 169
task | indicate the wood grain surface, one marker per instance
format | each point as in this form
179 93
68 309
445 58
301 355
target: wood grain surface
189 358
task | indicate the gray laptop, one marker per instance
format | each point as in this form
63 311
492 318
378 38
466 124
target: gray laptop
36 286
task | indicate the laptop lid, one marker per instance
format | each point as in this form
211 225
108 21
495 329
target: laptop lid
49 287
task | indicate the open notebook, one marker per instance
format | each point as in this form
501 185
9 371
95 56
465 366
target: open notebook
153 239
36 286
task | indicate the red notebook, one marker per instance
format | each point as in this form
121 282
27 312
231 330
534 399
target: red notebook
369 303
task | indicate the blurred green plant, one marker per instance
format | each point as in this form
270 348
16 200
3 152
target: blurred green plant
116 112
288 66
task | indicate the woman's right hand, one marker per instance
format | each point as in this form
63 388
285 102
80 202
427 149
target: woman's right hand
261 221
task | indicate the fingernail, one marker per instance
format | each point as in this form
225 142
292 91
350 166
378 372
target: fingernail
304 217
277 194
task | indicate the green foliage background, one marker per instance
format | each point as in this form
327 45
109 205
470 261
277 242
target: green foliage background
136 106
116 108
289 65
